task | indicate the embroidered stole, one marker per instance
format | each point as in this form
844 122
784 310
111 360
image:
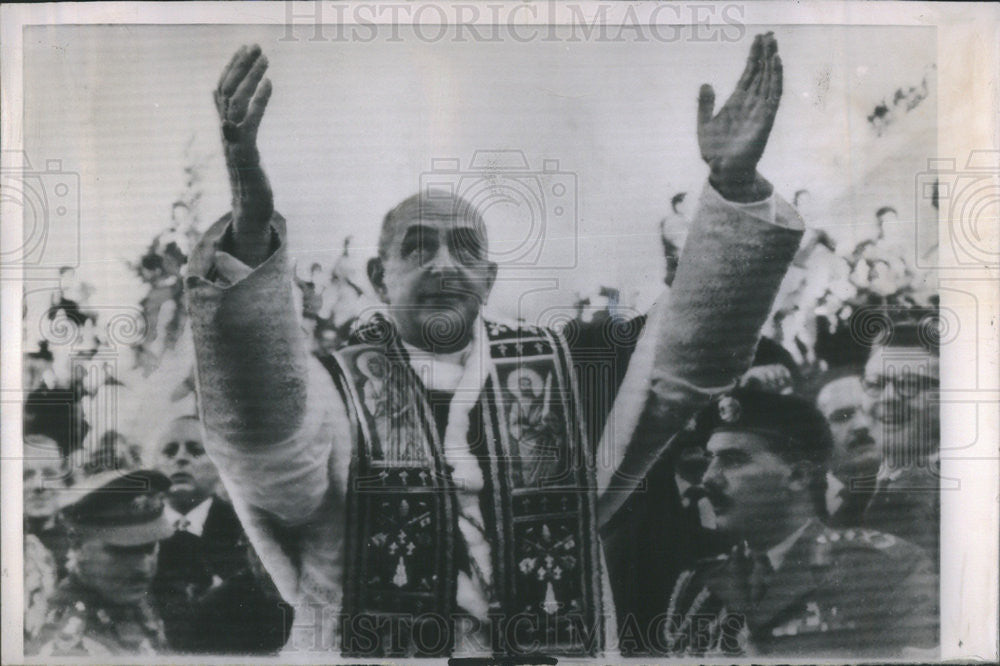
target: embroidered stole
403 547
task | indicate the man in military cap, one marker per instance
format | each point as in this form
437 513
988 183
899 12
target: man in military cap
794 587
103 607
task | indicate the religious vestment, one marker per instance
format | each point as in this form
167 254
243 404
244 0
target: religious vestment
414 506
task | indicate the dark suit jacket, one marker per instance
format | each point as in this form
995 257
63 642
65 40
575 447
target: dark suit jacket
210 601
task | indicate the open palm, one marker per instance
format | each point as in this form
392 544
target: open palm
732 141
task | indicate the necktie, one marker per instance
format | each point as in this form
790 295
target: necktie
182 524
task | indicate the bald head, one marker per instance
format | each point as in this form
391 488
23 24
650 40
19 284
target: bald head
430 204
433 269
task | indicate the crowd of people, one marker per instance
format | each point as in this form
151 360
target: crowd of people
795 513
140 555
867 395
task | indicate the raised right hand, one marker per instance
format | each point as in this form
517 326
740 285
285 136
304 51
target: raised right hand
241 98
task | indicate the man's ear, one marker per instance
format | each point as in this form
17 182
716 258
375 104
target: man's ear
376 275
491 277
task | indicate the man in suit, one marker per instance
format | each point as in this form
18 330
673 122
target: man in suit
855 458
902 397
398 492
795 588
206 551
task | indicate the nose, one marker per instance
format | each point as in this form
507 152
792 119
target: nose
443 260
712 479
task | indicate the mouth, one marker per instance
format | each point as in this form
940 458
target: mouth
864 442
181 478
38 503
720 503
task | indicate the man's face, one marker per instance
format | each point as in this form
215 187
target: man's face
745 483
855 454
121 574
902 397
376 366
181 457
436 278
44 476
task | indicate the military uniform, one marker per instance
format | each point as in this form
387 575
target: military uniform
123 509
849 592
81 623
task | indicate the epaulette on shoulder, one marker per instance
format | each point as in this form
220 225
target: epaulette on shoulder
854 538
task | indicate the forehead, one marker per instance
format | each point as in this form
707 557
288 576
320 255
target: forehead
39 461
839 393
181 431
434 223
435 211
744 441
900 360
42 453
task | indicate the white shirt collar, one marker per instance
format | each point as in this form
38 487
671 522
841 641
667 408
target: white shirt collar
442 372
195 517
833 488
777 554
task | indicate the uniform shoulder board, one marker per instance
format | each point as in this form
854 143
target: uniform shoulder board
872 541
853 536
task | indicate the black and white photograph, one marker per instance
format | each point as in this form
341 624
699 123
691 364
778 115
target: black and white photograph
507 333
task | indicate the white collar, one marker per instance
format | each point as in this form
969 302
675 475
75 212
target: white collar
455 373
438 372
777 554
444 372
195 517
833 488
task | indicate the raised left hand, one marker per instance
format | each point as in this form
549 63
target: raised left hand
732 141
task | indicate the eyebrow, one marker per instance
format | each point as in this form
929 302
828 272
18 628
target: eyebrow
729 451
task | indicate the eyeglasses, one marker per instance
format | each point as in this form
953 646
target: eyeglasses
194 449
906 384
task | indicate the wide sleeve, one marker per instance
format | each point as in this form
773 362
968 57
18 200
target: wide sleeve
701 336
273 419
